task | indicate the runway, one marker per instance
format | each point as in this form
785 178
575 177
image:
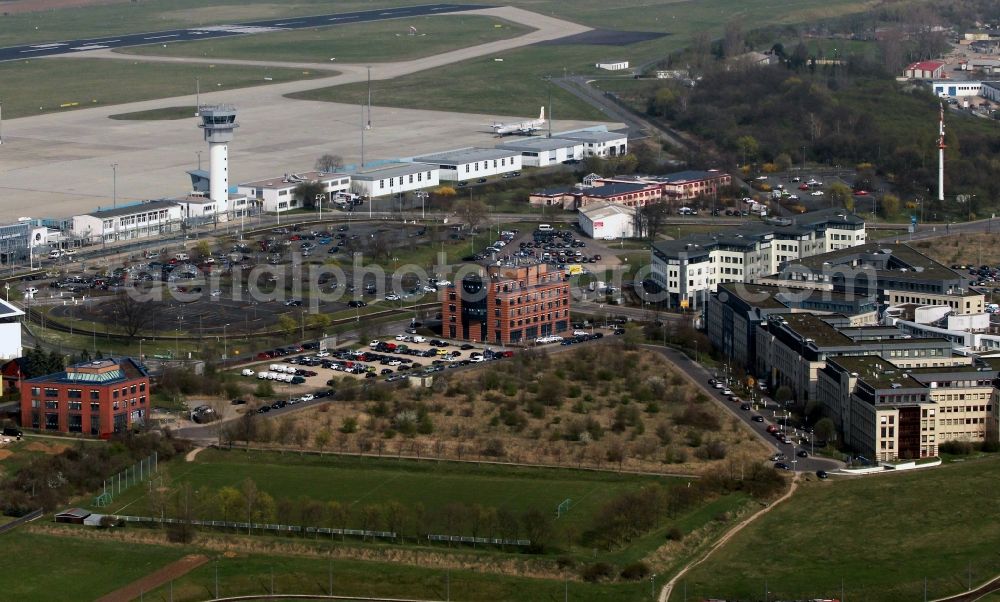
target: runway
15 53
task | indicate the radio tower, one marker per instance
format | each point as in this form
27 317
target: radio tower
941 147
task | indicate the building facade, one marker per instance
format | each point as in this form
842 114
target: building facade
394 178
607 221
275 195
140 220
98 398
506 306
543 152
599 143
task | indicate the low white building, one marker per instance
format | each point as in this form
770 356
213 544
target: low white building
139 220
991 91
542 152
393 178
275 195
597 143
608 221
955 89
472 163
200 209
612 65
10 331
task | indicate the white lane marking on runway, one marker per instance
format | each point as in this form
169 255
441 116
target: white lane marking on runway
173 35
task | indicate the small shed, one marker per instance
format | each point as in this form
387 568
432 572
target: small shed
75 516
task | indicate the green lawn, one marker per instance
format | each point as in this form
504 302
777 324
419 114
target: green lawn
880 535
434 485
75 569
52 85
373 42
252 575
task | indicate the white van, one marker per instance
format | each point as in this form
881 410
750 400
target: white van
545 227
55 254
182 257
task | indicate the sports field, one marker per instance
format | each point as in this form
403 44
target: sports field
53 85
358 43
878 536
360 482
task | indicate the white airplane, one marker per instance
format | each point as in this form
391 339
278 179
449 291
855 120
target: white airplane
524 128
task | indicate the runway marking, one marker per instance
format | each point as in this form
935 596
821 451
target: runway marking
44 46
290 23
173 35
342 18
89 47
106 41
36 50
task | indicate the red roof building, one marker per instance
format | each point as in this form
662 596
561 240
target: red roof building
925 70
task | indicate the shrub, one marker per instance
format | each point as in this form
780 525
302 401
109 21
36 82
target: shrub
675 534
698 417
635 571
599 571
713 450
956 448
349 425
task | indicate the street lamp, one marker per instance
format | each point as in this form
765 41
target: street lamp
319 204
225 342
140 349
422 195
114 185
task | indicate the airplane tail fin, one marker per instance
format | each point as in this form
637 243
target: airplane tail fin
541 114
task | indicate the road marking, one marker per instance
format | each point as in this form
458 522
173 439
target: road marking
290 23
340 18
106 42
89 47
44 46
173 35
36 50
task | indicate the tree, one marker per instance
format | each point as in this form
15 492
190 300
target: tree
782 394
322 438
329 163
306 193
251 496
783 161
229 501
287 323
889 205
651 218
472 212
748 147
131 315
825 430
840 195
733 42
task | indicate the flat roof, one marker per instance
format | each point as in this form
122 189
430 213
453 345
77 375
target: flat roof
538 144
142 207
467 155
690 175
97 372
9 311
391 170
917 265
810 326
291 180
604 210
756 295
590 136
877 372
615 189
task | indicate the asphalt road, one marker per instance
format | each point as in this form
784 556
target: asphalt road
14 53
701 375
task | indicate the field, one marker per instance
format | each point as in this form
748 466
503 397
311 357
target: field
807 546
44 86
359 43
635 412
972 249
87 568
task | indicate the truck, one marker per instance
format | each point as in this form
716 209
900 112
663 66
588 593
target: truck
597 285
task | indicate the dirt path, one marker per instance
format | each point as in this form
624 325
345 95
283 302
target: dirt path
156 579
669 587
191 455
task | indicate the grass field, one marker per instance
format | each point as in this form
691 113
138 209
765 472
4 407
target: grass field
367 481
972 249
44 86
75 568
252 575
805 547
362 42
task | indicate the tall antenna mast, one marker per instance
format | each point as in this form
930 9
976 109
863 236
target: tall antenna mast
362 136
941 147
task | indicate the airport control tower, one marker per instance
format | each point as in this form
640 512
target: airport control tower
218 122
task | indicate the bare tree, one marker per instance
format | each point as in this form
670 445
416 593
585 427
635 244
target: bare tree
471 212
131 314
329 162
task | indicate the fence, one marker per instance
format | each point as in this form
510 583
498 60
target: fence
483 540
224 524
140 471
20 521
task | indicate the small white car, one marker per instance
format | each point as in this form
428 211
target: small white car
247 372
727 392
580 333
374 343
307 397
31 291
392 297
216 293
419 339
322 354
817 193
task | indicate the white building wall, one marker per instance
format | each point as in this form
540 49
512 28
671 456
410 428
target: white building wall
10 341
482 169
396 184
612 227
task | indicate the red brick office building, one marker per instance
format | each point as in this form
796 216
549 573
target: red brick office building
506 306
98 398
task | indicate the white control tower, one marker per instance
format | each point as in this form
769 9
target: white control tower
218 122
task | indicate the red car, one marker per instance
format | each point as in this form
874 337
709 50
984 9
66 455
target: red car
803 187
861 192
263 355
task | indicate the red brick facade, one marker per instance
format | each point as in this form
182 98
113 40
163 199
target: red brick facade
96 398
507 306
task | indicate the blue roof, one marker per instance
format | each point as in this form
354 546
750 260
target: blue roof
615 189
127 369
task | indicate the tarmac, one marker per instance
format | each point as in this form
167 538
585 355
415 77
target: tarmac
58 165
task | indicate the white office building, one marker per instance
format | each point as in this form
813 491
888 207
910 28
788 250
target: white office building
542 152
275 195
10 331
609 221
612 65
393 178
139 220
472 163
598 143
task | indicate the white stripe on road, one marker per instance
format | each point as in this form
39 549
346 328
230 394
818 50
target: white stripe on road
44 46
173 35
290 23
106 42
90 47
